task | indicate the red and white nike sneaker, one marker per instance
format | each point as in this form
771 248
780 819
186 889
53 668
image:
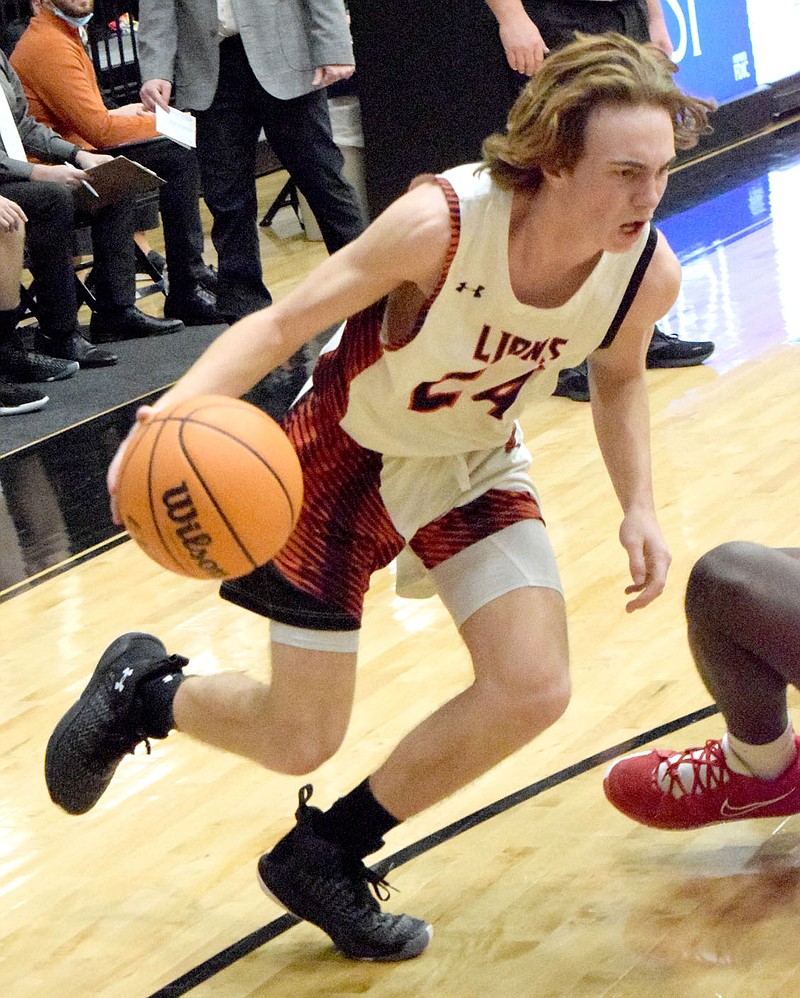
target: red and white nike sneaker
690 789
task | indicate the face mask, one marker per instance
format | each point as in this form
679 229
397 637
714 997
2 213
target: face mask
76 22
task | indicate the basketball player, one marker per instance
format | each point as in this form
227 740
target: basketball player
743 613
465 297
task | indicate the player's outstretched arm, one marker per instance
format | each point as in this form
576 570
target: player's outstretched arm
622 423
408 243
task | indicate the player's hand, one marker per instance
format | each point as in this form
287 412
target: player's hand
648 558
325 75
143 414
156 92
523 45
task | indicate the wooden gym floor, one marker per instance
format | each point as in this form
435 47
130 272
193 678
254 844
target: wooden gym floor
535 885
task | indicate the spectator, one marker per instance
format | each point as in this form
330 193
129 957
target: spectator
63 93
529 29
263 68
13 398
44 192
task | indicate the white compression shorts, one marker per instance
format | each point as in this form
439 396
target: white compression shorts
516 557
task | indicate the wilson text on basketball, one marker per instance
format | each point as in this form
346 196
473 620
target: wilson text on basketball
181 510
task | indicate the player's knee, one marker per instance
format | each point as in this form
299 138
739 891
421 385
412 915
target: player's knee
549 703
307 751
719 577
532 707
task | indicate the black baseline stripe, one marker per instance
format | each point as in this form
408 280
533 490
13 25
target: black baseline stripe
228 956
520 796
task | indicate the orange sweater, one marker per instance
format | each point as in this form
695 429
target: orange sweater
62 91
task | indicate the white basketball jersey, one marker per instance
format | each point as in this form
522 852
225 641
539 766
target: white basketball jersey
478 355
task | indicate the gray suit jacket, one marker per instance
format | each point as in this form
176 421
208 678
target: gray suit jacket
285 41
37 139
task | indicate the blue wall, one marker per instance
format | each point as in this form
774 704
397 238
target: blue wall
712 46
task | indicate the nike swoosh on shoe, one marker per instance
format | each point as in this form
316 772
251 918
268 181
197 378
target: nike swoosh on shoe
729 810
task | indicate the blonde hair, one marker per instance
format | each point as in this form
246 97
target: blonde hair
546 126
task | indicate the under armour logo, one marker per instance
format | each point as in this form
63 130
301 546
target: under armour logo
476 292
119 686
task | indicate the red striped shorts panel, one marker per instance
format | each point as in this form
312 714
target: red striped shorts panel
464 525
344 533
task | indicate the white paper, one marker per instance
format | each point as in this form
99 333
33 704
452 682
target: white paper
177 125
9 133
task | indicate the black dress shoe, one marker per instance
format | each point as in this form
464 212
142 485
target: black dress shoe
669 351
129 324
74 347
198 307
573 383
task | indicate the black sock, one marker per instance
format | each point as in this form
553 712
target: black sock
8 323
357 822
157 695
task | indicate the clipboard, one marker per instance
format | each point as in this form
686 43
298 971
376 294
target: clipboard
118 180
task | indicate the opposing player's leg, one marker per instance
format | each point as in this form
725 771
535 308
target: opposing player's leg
743 613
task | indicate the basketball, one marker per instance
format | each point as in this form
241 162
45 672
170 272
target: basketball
210 488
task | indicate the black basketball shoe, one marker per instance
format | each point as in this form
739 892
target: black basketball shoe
667 350
321 882
106 722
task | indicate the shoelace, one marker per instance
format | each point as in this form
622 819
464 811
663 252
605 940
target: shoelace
127 743
382 888
139 732
693 771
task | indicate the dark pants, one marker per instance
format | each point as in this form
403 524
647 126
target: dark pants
299 133
178 203
52 220
452 50
558 21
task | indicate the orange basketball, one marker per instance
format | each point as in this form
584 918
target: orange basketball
210 488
